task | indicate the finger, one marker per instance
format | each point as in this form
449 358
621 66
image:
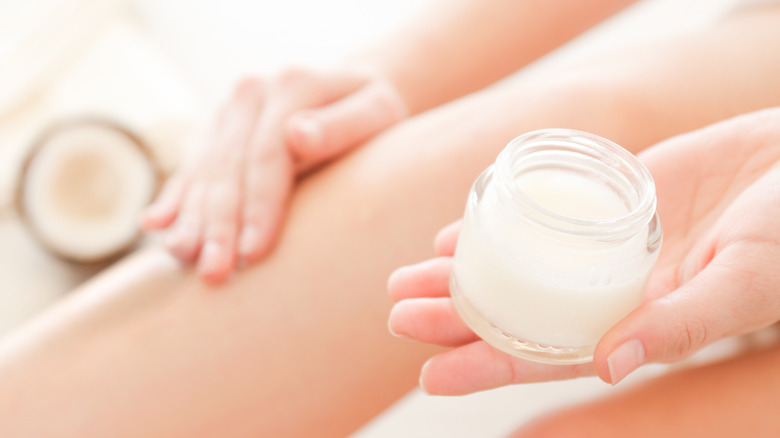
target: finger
319 134
267 183
217 258
163 211
430 320
225 178
184 239
478 366
447 239
430 278
723 300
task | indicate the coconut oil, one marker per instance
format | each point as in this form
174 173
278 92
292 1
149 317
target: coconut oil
557 243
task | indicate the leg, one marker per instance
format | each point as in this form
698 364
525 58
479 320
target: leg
652 92
733 398
297 346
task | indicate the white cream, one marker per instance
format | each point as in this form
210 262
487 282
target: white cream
539 292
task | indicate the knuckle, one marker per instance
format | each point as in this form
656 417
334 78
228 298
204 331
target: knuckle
691 334
194 196
249 86
189 225
292 76
266 206
252 216
222 231
222 217
390 100
264 155
248 92
266 199
223 191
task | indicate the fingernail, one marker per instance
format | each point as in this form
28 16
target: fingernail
210 257
625 359
392 331
249 242
420 380
400 335
310 131
390 327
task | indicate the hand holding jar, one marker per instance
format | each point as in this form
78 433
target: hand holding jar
718 199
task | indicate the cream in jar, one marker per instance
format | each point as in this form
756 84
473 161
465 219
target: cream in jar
558 240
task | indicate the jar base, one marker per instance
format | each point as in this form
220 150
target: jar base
510 344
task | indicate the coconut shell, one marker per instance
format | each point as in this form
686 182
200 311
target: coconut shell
41 142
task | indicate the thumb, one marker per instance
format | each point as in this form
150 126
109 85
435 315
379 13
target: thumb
319 134
720 301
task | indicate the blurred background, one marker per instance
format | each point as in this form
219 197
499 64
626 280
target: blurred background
161 69
157 68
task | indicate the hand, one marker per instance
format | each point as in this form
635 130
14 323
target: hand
228 204
719 202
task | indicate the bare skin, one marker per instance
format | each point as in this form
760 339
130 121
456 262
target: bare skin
715 276
297 345
736 397
226 207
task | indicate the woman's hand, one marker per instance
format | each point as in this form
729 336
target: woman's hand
719 202
228 204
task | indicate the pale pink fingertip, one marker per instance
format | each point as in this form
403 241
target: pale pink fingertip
421 380
159 215
214 263
210 257
625 359
152 219
394 333
393 282
176 244
249 242
309 133
182 244
147 222
392 318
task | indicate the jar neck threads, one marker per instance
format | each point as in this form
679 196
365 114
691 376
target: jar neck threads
587 155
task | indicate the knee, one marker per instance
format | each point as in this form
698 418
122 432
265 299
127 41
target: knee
613 106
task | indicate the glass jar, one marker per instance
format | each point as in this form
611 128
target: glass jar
557 243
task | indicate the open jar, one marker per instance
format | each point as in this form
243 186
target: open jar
557 243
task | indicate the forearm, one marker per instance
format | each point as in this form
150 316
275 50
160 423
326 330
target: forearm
456 47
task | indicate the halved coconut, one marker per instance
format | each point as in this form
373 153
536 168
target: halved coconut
83 187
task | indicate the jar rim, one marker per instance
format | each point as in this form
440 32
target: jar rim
589 147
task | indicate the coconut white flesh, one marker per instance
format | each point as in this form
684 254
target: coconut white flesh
84 189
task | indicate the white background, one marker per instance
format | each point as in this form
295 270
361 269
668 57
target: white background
161 67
